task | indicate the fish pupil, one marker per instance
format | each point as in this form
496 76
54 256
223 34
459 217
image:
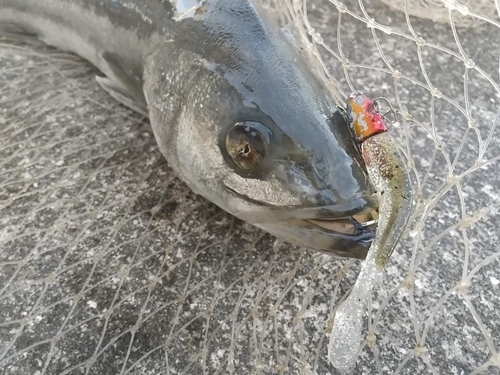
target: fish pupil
246 150
246 145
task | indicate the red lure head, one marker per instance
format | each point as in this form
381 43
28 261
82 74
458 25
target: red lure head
363 118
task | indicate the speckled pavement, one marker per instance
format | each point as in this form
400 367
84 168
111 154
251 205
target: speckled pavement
111 265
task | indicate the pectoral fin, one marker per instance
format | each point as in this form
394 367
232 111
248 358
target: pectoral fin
120 95
14 31
124 82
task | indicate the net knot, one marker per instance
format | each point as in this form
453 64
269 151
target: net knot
396 74
469 63
435 92
472 124
419 349
341 7
463 287
420 42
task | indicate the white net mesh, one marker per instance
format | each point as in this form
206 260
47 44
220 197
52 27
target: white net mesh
468 13
109 265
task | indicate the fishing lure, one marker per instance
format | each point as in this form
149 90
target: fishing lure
391 180
386 170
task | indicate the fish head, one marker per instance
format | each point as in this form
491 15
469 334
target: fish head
255 130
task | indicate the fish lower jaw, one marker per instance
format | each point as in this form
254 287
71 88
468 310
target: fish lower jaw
349 226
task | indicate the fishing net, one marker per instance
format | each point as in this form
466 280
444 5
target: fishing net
110 265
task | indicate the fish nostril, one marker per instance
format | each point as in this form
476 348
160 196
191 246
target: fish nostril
312 174
310 183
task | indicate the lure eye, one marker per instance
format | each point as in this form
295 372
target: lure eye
247 143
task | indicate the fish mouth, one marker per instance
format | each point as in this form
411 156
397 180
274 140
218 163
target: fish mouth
349 236
345 229
350 226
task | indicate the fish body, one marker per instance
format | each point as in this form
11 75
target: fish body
233 105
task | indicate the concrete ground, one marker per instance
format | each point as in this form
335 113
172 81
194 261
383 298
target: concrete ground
110 265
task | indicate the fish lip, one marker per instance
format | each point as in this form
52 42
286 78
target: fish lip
265 213
324 214
319 227
345 226
334 236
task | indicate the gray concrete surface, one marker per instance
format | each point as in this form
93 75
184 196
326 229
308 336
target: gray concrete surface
110 265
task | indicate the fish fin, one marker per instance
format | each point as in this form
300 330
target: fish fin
117 92
11 30
124 82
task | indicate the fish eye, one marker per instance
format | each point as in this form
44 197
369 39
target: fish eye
247 143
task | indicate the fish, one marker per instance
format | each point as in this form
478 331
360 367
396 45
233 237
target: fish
234 105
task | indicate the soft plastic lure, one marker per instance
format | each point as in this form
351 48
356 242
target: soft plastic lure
387 173
391 180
